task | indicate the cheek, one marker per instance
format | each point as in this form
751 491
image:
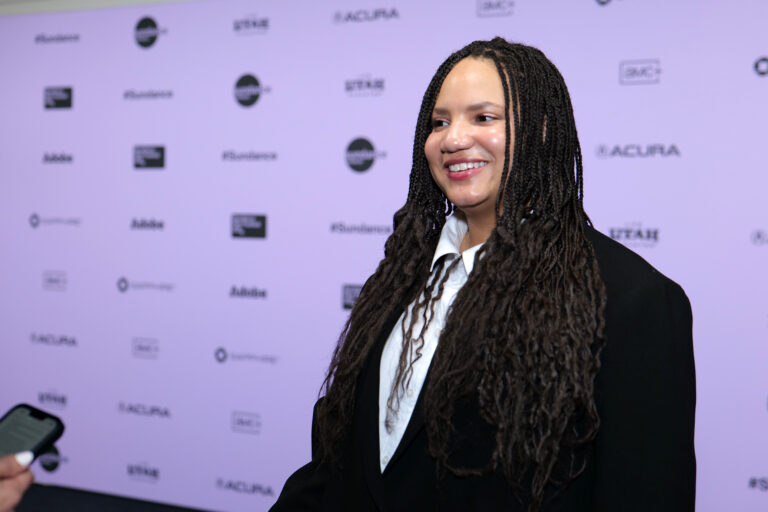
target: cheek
432 151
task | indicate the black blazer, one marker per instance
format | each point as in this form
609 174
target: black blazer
641 460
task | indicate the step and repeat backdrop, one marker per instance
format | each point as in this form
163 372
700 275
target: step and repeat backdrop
191 195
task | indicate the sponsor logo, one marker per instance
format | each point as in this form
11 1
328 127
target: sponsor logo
36 221
51 459
360 229
363 15
248 90
53 340
364 85
57 97
759 237
56 38
147 32
222 355
249 293
55 280
57 158
151 224
231 155
487 8
349 294
637 150
248 225
240 486
52 399
639 72
635 235
149 157
139 409
251 24
246 422
123 285
150 94
361 155
143 472
145 348
761 66
758 483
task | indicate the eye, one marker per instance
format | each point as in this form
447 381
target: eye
439 123
484 118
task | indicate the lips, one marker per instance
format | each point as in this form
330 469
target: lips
461 169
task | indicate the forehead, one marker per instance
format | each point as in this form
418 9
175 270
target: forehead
471 80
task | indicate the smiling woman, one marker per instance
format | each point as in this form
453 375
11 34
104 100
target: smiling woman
504 355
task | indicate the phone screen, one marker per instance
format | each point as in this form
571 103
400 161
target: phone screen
20 430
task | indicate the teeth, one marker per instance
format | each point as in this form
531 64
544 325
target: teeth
465 166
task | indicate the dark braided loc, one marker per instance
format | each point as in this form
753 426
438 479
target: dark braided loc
521 343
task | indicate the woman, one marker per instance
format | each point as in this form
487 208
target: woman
504 355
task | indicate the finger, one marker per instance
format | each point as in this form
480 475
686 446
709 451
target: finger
12 490
11 465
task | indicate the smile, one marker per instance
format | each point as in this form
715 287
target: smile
465 165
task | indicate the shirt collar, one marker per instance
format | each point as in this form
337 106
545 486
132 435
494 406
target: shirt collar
450 241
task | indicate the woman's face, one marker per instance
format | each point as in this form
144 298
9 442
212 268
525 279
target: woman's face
465 149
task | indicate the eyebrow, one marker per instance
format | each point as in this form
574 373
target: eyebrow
477 106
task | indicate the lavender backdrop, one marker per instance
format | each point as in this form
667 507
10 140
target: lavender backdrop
174 264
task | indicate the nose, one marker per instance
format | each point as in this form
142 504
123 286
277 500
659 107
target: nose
458 136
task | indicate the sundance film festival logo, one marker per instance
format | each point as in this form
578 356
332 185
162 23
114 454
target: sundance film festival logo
248 90
246 422
248 225
361 154
635 235
147 32
51 459
57 158
349 294
759 237
490 8
57 97
251 24
365 15
757 483
761 66
145 410
149 157
148 94
222 355
124 285
242 487
364 85
52 399
147 224
55 280
639 72
343 228
35 221
637 151
145 348
231 155
143 472
56 38
53 340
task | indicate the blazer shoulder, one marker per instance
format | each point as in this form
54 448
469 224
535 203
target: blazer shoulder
626 272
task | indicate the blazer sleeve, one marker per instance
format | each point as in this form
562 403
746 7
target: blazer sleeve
304 489
646 396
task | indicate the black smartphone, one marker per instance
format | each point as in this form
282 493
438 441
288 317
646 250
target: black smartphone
27 428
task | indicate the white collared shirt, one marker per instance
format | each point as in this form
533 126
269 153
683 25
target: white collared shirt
448 245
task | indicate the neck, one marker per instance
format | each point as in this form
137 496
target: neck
479 229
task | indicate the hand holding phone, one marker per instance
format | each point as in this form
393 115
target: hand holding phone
15 478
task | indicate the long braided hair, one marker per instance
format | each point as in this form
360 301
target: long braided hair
521 342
